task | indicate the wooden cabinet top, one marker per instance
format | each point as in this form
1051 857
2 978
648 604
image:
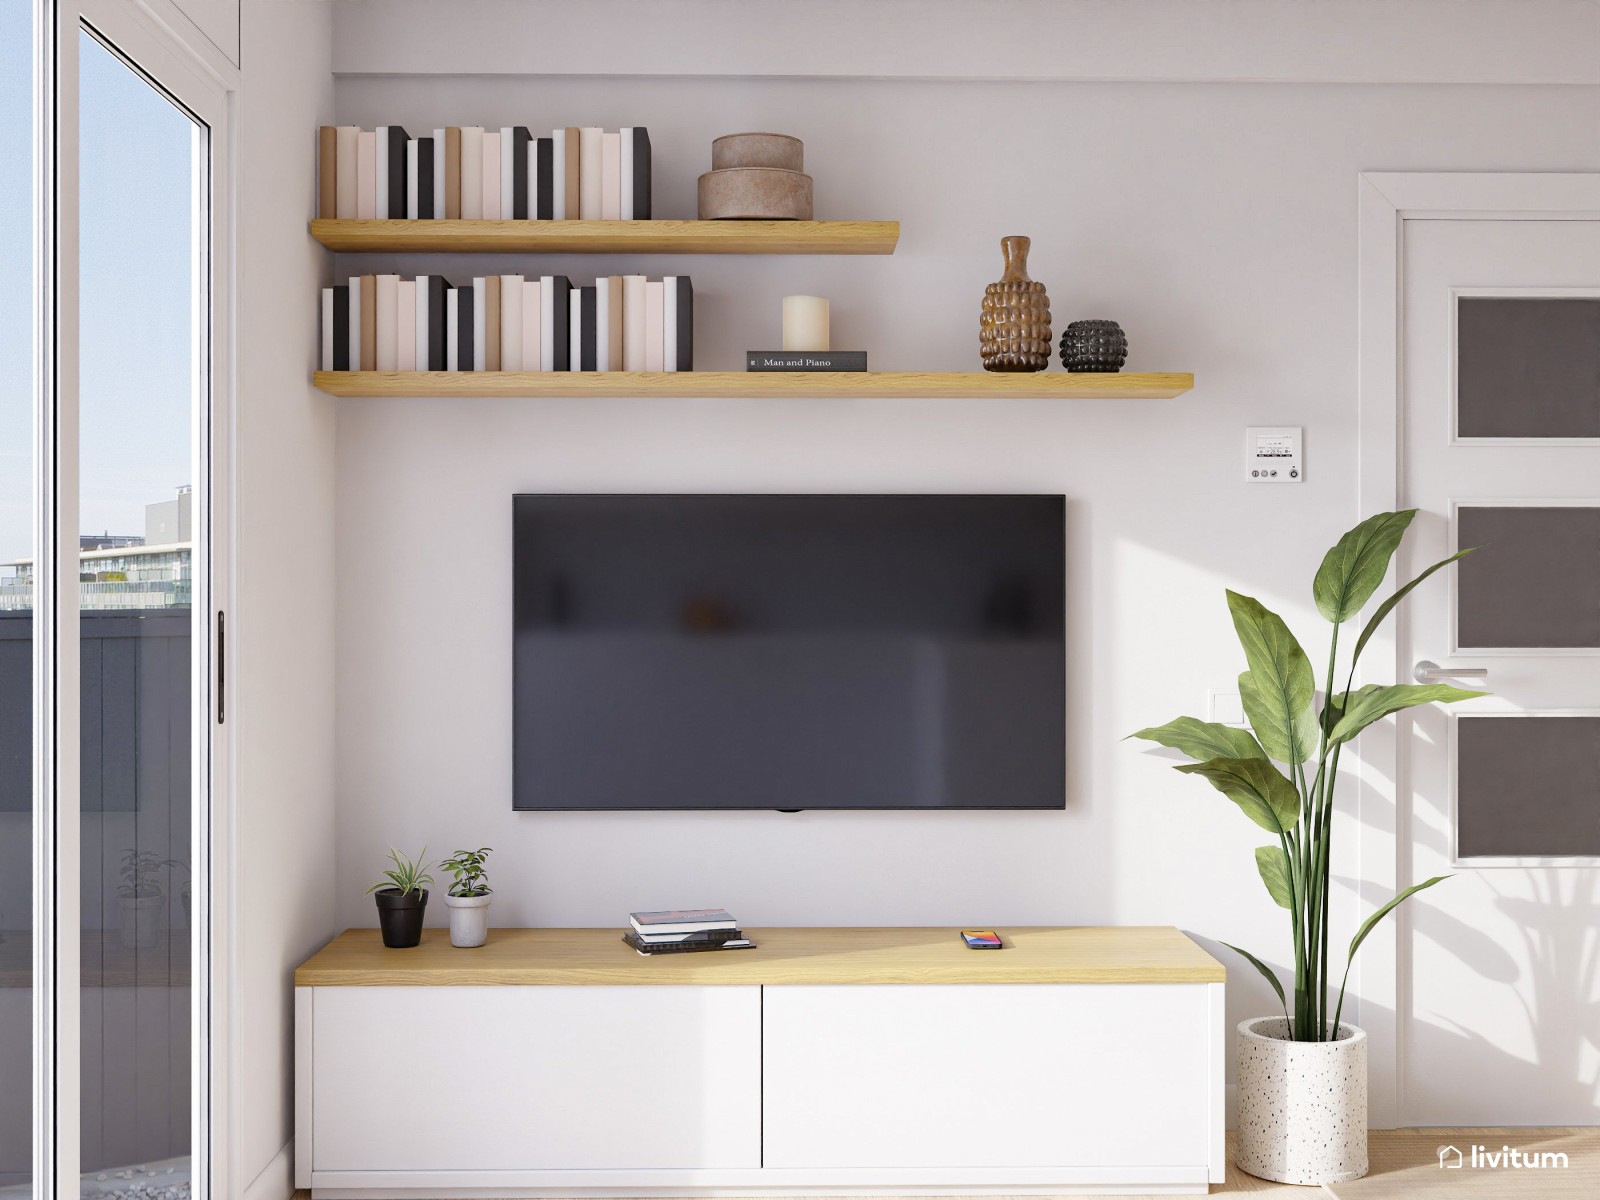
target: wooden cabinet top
1033 954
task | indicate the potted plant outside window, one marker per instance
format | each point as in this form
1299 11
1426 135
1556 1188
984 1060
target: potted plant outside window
141 899
402 897
468 897
1302 1078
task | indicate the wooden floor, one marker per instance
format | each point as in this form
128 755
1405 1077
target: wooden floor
1404 1163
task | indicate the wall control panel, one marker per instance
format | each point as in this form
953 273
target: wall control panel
1272 454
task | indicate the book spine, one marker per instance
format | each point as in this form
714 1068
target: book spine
353 335
589 339
521 159
491 323
559 303
381 173
544 179
412 167
386 332
341 328
574 175
685 330
395 162
472 172
558 174
491 175
625 151
669 323
325 363
633 322
327 172
590 168
547 323
653 305
406 326
480 341
613 361
602 324
641 173
452 172
366 175
346 152
575 330
369 323
532 326
419 332
508 175
511 323
438 174
425 179
610 177
452 341
438 289
464 330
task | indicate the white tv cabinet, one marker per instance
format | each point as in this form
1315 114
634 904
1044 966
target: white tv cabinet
559 1062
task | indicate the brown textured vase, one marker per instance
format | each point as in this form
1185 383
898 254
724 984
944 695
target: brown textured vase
1014 329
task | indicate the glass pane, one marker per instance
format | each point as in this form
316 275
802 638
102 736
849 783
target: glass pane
1535 580
1528 367
136 429
16 594
1528 786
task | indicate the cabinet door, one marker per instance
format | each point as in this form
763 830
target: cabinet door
1036 1075
508 1078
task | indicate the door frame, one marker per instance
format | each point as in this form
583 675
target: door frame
161 44
1387 200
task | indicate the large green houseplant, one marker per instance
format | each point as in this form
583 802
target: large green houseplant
1284 770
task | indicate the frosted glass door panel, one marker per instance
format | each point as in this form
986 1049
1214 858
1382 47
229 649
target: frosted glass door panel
1534 582
1527 786
1528 367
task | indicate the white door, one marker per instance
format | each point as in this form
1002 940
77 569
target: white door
1498 991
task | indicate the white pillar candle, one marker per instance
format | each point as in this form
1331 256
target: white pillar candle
805 323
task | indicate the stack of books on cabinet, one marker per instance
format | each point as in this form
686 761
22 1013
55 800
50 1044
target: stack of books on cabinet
685 931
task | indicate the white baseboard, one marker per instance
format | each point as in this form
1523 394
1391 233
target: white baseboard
276 1181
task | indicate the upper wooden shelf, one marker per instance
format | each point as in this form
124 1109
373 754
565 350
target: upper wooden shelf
610 237
1044 385
1088 954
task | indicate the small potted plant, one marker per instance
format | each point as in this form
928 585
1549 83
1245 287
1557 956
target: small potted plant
468 897
402 896
141 898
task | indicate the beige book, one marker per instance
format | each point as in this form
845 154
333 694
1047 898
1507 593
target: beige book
491 323
452 172
405 310
327 171
532 326
491 176
633 322
472 172
387 334
590 167
511 323
654 330
344 170
369 323
366 175
574 167
611 177
611 307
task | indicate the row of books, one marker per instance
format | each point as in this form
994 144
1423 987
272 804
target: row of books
685 930
508 323
577 173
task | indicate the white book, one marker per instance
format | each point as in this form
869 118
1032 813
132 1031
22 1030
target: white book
532 326
344 171
654 302
355 322
511 323
491 176
386 323
508 172
421 323
452 325
382 158
480 332
611 177
327 329
558 174
547 323
575 331
633 322
669 323
406 326
411 180
366 177
626 173
533 181
589 167
472 172
602 324
438 175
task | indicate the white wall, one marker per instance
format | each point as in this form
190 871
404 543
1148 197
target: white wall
282 624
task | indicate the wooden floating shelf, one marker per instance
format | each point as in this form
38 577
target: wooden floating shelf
1043 385
609 237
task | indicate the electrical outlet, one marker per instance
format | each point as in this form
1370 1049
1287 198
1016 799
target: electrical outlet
1226 708
1272 454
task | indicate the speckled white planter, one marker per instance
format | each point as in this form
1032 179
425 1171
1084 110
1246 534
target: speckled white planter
469 920
1302 1105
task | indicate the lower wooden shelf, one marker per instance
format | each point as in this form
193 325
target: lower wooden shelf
1043 385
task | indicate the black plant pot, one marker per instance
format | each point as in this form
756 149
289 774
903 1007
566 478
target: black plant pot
400 916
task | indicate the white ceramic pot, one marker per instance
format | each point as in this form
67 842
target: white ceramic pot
469 920
142 920
1302 1105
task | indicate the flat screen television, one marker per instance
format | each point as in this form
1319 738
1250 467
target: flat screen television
788 652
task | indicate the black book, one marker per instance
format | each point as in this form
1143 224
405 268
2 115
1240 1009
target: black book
464 328
341 327
649 948
560 323
397 170
805 360
641 179
520 137
589 359
425 182
432 356
709 936
685 316
544 204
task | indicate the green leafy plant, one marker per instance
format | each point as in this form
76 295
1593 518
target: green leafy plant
140 874
407 875
467 868
1283 775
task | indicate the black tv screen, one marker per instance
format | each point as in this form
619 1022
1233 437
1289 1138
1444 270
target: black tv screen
788 652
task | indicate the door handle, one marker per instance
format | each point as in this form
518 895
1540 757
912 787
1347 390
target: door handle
1427 671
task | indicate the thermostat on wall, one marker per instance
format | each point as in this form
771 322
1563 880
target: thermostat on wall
1272 454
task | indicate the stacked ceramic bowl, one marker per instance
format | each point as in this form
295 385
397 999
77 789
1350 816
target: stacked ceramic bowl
756 177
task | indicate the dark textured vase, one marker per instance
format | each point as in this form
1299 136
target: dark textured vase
1094 346
1014 328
